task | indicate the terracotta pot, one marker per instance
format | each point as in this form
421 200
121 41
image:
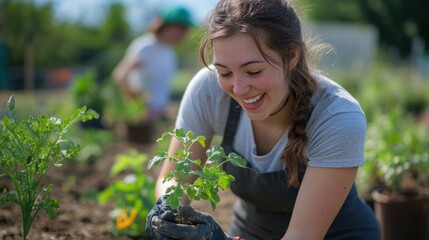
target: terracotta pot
402 217
140 133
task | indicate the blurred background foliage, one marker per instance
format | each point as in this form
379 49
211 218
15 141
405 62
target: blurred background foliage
24 25
43 51
31 31
39 46
398 21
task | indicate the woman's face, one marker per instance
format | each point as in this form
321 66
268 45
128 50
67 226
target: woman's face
175 33
260 87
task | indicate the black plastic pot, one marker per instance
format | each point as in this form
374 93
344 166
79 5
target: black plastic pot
141 132
402 217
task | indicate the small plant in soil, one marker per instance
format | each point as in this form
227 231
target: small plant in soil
29 147
134 194
210 177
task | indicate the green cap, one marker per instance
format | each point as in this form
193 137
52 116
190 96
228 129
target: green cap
177 15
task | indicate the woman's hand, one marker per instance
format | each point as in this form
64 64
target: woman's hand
161 210
200 226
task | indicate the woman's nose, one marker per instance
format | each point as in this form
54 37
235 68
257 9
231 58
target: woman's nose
241 86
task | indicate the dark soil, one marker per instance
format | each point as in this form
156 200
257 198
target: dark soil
87 219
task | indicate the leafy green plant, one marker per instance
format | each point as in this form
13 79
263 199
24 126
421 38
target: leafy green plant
410 95
121 107
86 91
210 177
134 195
93 144
397 150
29 147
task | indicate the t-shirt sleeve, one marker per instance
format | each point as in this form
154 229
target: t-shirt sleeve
196 111
144 54
338 141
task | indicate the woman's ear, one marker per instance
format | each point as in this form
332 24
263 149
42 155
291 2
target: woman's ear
294 55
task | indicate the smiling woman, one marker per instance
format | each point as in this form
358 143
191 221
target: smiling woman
301 134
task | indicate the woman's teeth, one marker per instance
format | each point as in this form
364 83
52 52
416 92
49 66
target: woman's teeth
253 100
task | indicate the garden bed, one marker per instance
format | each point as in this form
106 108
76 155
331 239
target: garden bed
81 216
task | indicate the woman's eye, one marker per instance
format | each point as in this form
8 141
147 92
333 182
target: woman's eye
224 75
254 73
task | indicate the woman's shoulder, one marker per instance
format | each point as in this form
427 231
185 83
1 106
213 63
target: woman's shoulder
334 107
333 98
204 83
144 40
203 107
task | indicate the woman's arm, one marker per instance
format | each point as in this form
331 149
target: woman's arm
124 67
121 71
321 195
198 152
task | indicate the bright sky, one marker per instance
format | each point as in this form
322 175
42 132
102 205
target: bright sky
91 11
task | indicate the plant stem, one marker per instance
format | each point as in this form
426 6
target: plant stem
25 218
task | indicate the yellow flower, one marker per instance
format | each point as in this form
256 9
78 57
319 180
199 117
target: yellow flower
123 220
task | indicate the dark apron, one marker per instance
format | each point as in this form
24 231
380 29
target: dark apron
266 202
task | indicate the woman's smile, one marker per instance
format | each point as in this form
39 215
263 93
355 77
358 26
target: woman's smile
253 100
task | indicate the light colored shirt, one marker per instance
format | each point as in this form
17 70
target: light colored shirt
336 130
158 64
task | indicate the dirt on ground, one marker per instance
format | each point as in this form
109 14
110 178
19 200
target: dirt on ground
87 219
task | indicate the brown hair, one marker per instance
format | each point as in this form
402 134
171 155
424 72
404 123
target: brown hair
276 24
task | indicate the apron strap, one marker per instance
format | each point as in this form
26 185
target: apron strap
231 126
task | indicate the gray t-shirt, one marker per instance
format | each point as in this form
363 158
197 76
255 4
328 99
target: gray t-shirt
336 129
158 64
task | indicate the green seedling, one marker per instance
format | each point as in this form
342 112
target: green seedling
134 194
210 177
29 147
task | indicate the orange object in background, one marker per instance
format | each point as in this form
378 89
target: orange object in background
123 220
59 77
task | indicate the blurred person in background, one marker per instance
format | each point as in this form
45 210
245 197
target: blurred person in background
149 64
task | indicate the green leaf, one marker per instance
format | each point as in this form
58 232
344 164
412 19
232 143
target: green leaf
175 197
169 176
51 206
213 197
215 154
11 103
180 153
237 160
106 194
89 115
191 191
225 180
183 166
202 141
197 162
157 159
180 134
131 160
198 182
